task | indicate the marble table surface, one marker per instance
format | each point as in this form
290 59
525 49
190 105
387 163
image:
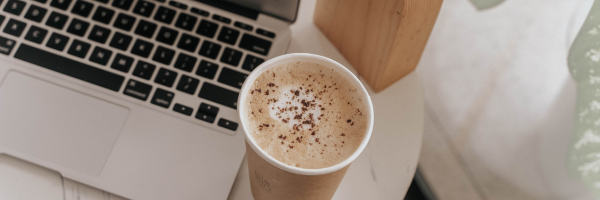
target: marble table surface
386 167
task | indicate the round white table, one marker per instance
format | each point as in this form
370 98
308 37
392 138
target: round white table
386 167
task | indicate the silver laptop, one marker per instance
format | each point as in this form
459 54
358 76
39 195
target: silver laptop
135 97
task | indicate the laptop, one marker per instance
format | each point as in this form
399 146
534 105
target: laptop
135 97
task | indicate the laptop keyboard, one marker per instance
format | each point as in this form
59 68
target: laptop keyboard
168 48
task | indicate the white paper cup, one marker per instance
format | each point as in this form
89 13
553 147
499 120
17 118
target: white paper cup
272 179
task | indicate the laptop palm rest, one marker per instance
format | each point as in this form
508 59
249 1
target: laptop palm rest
56 124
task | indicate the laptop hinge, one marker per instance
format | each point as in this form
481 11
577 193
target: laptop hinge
231 7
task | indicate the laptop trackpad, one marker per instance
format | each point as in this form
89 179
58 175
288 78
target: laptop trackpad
57 124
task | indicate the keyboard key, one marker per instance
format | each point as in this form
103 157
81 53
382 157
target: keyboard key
42 1
82 8
200 12
221 18
60 4
228 35
57 41
122 4
163 55
188 84
124 22
209 49
167 35
102 1
2 18
13 6
145 28
78 27
207 28
6 45
243 26
178 5
142 48
205 117
122 63
36 34
120 41
137 90
183 109
100 55
265 33
219 95
35 13
162 98
162 1
143 8
99 34
57 20
144 70
186 21
227 124
164 15
208 109
188 42
207 69
232 78
231 56
79 48
185 62
14 27
255 44
103 15
251 62
165 77
70 67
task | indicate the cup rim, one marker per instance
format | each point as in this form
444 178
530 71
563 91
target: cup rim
307 57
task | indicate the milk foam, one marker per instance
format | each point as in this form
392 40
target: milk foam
282 110
305 115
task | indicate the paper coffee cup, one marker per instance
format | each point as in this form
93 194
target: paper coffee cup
272 179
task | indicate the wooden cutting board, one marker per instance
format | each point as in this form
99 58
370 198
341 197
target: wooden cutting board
382 39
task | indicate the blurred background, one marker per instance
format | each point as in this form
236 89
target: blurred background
500 101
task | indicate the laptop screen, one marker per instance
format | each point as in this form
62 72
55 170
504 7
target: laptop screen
286 10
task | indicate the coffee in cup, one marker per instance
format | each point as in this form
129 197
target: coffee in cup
306 115
306 118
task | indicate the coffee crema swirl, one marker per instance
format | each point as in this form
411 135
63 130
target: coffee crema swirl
306 115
